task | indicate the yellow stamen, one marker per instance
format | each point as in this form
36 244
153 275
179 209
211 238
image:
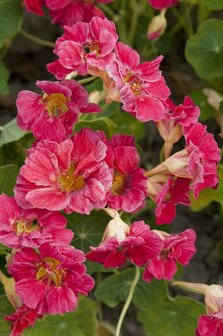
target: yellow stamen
50 271
22 226
118 183
56 104
69 182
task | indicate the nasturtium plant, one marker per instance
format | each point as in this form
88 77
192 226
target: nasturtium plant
107 146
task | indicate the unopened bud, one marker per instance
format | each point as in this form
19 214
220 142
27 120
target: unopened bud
157 26
9 287
116 227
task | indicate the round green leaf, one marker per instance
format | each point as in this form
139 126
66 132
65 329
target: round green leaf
10 18
11 132
88 229
204 50
5 309
214 4
81 322
115 289
169 317
8 175
4 89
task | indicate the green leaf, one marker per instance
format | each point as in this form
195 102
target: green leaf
81 322
10 133
148 294
221 107
115 289
204 50
88 229
8 175
5 309
200 99
170 317
102 124
214 4
4 249
4 89
209 195
10 19
128 124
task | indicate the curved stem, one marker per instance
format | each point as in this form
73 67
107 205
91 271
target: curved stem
36 39
3 278
86 80
128 301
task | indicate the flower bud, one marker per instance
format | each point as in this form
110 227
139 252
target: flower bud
116 227
157 26
9 287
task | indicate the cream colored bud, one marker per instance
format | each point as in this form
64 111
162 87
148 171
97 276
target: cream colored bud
157 26
116 227
213 97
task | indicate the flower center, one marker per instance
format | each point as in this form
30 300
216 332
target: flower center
22 226
56 104
134 83
118 183
69 182
50 270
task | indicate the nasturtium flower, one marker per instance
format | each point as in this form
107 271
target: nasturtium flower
71 175
50 279
21 319
138 244
161 4
210 325
85 48
176 248
129 186
30 227
142 88
51 116
67 12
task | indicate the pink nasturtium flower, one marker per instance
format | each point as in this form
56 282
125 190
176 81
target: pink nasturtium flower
71 175
84 48
161 4
129 186
176 248
140 87
177 120
198 161
137 243
67 12
21 319
174 192
52 115
34 6
30 228
50 280
210 325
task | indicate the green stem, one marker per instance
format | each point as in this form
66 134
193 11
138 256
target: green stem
128 301
137 9
3 278
86 80
36 39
